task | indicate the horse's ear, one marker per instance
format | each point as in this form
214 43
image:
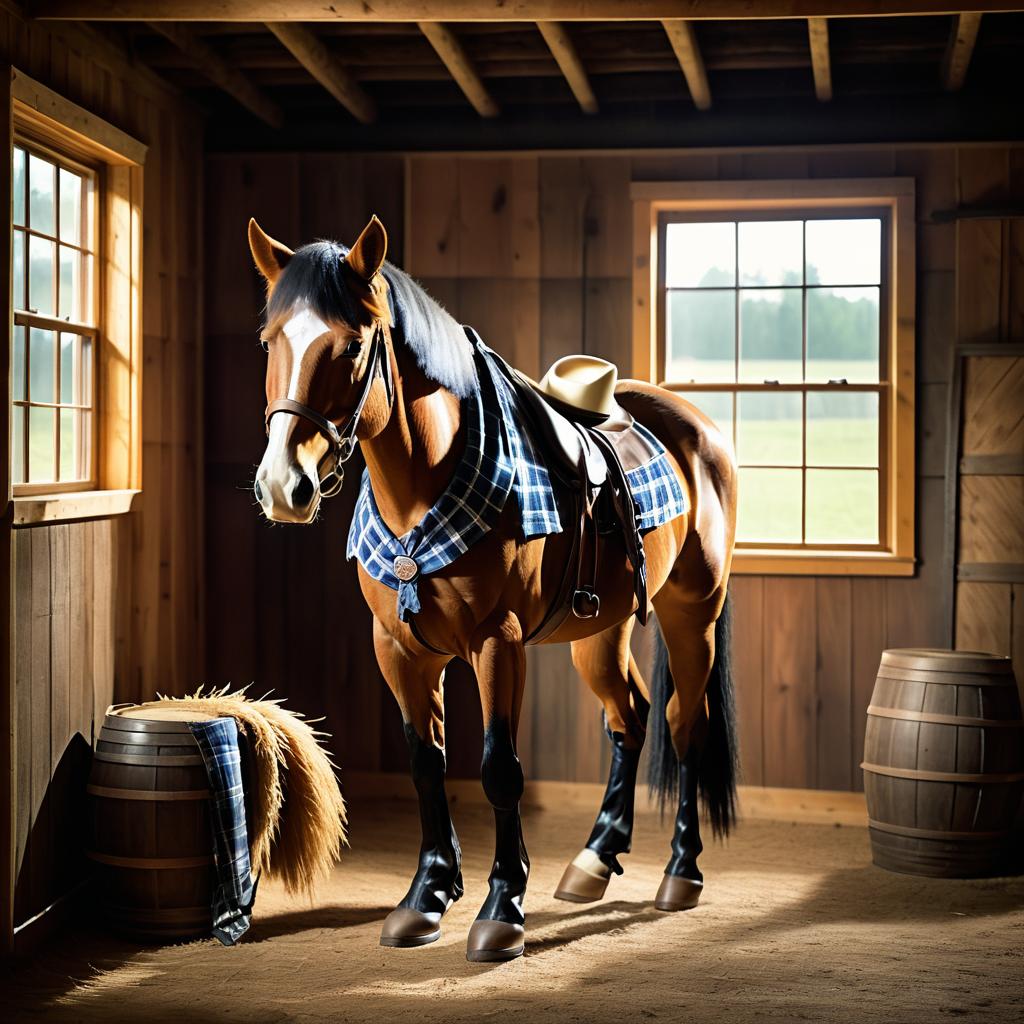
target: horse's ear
366 257
270 255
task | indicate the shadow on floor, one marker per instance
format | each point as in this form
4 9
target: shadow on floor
310 919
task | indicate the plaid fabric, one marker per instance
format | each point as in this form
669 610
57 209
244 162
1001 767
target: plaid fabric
235 890
499 459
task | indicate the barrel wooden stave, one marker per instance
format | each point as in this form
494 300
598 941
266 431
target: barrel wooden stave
151 899
950 827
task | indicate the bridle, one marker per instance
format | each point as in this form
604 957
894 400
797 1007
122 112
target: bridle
341 443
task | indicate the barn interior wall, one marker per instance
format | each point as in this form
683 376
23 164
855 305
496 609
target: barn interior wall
109 610
535 251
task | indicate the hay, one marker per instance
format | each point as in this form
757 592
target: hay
298 814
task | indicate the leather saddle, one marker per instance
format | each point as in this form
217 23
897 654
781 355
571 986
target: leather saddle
588 456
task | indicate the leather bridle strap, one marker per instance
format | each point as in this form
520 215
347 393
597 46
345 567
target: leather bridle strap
341 443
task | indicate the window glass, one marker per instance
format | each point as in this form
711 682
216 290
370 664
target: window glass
702 335
700 255
42 196
771 252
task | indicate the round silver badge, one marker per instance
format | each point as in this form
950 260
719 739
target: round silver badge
405 568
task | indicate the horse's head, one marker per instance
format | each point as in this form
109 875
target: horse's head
327 336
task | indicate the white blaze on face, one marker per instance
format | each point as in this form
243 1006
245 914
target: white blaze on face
280 469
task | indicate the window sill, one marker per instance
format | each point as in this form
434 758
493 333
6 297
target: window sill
760 562
31 509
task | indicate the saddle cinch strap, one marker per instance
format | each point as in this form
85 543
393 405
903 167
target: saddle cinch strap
341 443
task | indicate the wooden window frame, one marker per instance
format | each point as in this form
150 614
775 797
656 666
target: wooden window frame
46 148
894 199
49 121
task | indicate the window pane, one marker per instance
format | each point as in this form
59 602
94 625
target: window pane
716 405
18 444
42 194
701 336
844 251
771 335
18 369
842 428
18 275
842 335
68 445
67 369
700 255
770 429
41 437
70 306
18 186
42 365
771 252
842 506
40 275
769 507
70 207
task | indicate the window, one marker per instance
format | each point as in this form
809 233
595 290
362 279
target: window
55 324
75 315
776 315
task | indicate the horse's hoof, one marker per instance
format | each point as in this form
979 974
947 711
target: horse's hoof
676 893
405 927
584 880
491 941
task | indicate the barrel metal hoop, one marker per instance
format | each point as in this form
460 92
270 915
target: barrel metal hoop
150 795
152 739
934 718
917 675
933 833
923 775
149 863
149 760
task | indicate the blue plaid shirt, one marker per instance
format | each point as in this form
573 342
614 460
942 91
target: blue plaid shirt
235 891
499 459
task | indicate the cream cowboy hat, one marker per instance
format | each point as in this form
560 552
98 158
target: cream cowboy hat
584 382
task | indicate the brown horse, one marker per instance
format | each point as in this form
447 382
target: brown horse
358 351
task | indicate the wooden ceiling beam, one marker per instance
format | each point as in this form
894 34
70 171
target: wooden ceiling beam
958 53
218 71
564 51
684 43
499 10
311 53
457 61
821 61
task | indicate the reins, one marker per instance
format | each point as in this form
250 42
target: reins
341 443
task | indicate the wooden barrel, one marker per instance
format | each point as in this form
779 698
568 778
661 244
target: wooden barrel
149 825
943 763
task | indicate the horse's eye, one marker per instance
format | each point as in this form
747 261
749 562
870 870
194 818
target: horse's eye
353 348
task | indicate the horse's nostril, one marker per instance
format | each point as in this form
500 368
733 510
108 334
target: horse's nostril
258 491
302 493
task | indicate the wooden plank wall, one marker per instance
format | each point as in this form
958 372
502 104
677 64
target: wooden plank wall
111 610
535 251
989 606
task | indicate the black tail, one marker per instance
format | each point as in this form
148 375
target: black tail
719 758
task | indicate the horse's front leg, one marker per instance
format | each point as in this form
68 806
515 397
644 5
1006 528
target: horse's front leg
417 681
499 661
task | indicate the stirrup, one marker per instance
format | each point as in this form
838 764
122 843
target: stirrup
585 603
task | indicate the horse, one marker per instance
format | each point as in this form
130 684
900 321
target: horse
358 352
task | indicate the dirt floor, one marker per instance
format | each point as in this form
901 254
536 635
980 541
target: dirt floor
795 924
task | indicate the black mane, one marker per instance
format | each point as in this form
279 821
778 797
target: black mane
436 340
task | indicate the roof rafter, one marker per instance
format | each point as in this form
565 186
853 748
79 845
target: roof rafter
507 10
958 53
821 61
311 53
214 67
457 61
564 51
684 43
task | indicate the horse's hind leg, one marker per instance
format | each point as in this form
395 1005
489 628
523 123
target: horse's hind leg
417 681
606 665
689 633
